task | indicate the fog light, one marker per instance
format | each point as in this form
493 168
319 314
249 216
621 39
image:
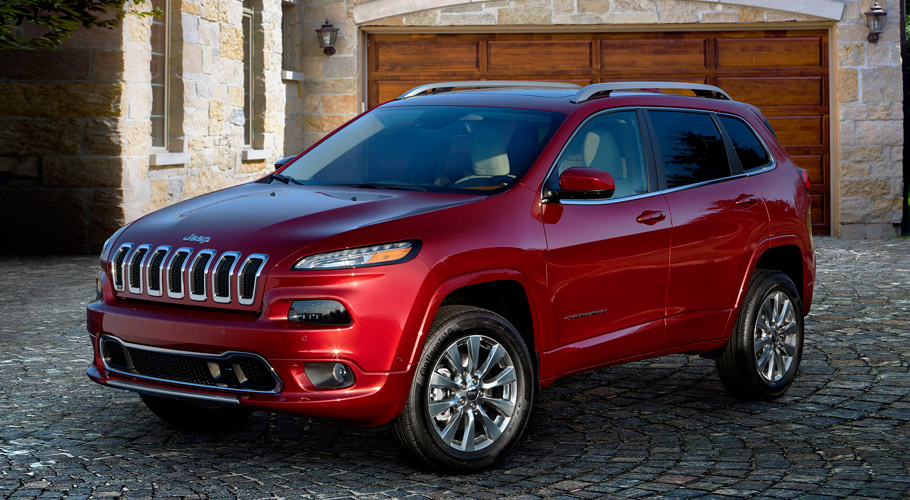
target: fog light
339 373
329 375
319 312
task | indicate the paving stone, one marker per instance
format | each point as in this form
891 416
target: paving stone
662 428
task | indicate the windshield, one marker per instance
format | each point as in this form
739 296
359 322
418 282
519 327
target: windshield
430 148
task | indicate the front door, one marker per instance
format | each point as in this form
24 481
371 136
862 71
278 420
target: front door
607 260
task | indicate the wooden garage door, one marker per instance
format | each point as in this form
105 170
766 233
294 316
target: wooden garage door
783 72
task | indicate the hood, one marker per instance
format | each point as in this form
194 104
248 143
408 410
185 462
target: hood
278 219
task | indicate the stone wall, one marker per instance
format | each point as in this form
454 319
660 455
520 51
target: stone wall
867 118
76 156
60 166
209 37
869 179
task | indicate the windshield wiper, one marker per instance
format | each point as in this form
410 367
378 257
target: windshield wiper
381 185
286 179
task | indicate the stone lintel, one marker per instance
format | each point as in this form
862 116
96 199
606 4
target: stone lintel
380 9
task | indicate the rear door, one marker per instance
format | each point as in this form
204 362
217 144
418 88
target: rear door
607 260
718 217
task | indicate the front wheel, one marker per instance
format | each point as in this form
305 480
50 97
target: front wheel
762 356
471 395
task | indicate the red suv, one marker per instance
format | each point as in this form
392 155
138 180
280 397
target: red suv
439 259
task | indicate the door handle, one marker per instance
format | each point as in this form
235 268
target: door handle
746 200
651 217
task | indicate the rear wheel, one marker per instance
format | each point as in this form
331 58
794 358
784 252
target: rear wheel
472 392
762 356
191 415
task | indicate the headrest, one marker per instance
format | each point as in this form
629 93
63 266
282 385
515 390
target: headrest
600 150
488 154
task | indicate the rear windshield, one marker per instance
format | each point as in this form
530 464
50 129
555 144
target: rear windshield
430 148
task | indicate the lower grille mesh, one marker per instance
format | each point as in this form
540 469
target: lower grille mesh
239 371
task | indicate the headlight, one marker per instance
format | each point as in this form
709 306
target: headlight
376 255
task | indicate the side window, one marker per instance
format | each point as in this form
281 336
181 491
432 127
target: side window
749 148
612 143
691 147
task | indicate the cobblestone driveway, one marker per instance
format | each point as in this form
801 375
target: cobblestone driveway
660 428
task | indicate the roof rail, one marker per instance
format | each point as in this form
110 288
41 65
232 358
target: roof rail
700 90
450 86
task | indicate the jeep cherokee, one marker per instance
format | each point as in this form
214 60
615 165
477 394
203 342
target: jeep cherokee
440 258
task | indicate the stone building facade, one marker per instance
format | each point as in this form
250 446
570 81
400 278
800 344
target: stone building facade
76 150
78 157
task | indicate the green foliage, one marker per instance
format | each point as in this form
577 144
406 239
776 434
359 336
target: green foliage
58 19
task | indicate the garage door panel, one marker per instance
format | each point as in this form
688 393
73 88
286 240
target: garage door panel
541 55
819 208
778 91
815 165
653 54
798 130
769 52
427 55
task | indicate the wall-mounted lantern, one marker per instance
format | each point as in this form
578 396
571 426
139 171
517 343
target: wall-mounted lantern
875 18
327 34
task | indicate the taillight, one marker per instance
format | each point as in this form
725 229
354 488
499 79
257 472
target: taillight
805 173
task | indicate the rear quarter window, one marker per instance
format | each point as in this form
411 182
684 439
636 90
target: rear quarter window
750 150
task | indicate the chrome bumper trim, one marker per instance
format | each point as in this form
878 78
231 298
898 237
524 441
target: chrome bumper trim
172 393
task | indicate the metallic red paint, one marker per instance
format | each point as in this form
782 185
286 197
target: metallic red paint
604 283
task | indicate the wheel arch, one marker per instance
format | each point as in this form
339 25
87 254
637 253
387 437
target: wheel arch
503 291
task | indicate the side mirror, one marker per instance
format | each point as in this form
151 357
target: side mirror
282 162
581 183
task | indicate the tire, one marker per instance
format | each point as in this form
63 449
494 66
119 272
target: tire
189 415
465 418
762 356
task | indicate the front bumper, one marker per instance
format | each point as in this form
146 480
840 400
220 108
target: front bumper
376 348
374 399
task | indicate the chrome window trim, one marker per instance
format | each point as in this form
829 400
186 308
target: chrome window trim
205 274
137 289
146 269
224 299
607 201
279 385
772 165
126 247
182 292
252 299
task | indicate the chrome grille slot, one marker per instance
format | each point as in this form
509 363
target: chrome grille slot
117 266
197 273
175 272
153 276
222 275
135 268
225 278
248 277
